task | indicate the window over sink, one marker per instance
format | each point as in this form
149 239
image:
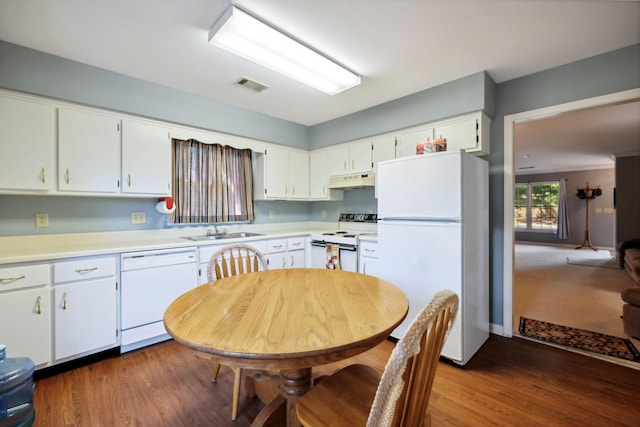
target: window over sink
212 183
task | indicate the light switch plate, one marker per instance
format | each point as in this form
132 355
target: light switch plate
138 218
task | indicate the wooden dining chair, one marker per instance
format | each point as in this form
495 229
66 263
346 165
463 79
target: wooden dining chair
230 261
359 395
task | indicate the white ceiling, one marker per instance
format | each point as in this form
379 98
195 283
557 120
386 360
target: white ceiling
398 47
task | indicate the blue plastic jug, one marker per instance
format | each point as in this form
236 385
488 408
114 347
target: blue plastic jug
16 390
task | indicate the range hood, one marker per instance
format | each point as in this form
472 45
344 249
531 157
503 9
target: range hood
347 182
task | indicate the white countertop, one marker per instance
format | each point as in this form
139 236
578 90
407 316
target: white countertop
16 249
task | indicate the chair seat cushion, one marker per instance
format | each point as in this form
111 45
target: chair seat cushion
343 398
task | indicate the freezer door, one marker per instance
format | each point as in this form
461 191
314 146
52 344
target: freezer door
426 186
422 258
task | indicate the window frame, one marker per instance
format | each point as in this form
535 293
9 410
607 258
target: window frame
529 207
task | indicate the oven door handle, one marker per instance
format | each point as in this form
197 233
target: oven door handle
319 244
349 248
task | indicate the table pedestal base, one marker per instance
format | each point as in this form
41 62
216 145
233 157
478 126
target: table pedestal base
281 409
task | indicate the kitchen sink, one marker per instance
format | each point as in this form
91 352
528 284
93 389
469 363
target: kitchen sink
222 236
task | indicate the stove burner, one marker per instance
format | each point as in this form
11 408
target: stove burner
341 232
328 234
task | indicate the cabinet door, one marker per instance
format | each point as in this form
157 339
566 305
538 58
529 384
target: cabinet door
460 135
84 316
146 158
26 151
318 174
88 152
338 160
407 141
299 174
277 173
360 157
25 323
319 177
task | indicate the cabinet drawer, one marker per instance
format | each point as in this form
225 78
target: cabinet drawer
81 269
26 276
369 249
296 243
277 245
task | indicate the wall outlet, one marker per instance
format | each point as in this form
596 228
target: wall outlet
42 220
598 210
272 214
138 218
324 213
608 210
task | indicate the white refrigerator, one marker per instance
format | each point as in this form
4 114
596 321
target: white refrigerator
433 234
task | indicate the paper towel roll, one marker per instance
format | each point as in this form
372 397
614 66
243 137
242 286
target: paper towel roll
165 205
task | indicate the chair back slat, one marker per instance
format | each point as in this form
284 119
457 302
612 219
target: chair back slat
402 397
235 259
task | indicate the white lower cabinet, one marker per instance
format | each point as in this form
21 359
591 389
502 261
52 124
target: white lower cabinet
85 306
368 262
287 252
25 312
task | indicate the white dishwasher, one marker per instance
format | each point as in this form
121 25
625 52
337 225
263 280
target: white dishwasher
151 280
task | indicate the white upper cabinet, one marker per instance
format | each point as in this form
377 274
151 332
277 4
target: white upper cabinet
27 141
469 133
319 177
407 140
88 151
282 173
299 174
384 148
146 158
350 158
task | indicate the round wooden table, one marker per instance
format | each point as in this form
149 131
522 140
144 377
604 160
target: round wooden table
290 320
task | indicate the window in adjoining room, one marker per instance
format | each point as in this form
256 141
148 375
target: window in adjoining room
536 206
211 183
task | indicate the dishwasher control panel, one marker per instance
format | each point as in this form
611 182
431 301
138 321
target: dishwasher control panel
160 258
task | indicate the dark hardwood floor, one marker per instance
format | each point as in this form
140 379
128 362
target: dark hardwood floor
510 382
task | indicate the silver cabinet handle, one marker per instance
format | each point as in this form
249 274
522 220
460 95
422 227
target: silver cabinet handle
277 246
353 164
293 190
345 165
86 270
38 305
42 175
12 278
67 176
296 243
369 250
364 268
291 265
129 180
284 262
324 189
64 301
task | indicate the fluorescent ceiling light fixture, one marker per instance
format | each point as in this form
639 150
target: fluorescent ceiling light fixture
246 36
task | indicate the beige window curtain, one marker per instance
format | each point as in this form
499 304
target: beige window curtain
211 183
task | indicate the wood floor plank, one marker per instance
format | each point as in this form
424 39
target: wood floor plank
509 382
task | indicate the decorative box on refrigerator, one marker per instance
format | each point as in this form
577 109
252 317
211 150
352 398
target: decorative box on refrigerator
433 234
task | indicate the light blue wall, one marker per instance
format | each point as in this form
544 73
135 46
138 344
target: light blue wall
38 73
472 93
29 71
611 72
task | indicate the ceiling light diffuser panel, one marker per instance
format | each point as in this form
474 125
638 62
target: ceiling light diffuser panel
242 34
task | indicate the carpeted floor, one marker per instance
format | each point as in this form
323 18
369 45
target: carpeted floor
580 339
578 296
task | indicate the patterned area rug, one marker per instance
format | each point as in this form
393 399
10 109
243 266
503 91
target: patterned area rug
581 339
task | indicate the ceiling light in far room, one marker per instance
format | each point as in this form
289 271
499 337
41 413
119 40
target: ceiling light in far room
246 36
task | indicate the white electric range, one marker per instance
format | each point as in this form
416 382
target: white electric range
345 237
